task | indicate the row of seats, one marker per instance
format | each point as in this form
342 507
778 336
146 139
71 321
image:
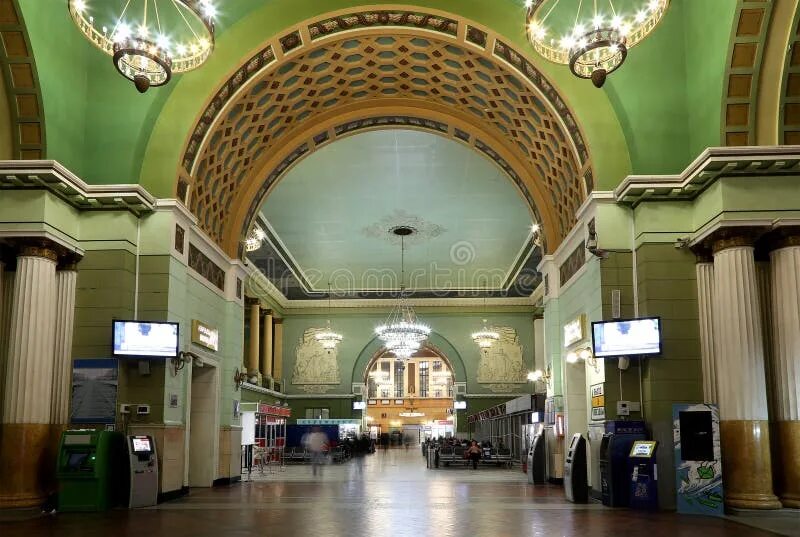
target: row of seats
456 454
302 455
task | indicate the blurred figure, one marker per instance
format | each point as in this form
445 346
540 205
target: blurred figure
474 454
316 443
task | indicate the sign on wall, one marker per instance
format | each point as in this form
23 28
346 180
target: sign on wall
94 391
205 335
574 331
598 402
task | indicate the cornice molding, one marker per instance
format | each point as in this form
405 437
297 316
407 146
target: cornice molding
713 164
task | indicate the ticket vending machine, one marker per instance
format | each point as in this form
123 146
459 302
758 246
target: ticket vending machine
576 483
644 475
537 460
143 471
90 470
614 450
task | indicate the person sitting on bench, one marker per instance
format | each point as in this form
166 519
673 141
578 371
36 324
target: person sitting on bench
474 454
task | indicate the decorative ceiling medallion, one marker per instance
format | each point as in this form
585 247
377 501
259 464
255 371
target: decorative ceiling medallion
386 228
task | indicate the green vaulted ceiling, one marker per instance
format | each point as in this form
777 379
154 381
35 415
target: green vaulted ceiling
653 116
332 213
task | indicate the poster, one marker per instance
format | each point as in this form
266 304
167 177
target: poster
698 481
94 391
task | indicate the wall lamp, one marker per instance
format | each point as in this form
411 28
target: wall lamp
536 376
583 354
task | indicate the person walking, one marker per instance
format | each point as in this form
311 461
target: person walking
317 444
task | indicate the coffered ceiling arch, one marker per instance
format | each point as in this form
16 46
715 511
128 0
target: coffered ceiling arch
287 87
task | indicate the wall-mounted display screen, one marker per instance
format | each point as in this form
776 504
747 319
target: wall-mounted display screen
633 337
643 449
460 405
141 444
359 405
142 338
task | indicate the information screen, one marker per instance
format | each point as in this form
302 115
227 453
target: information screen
136 338
141 444
636 337
76 460
643 449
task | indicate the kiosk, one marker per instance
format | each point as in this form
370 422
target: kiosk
537 461
576 484
143 471
90 470
644 475
614 449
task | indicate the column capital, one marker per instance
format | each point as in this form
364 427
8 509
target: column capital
43 250
265 312
277 320
782 238
251 301
69 262
732 238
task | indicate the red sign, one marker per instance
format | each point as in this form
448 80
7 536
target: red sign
272 410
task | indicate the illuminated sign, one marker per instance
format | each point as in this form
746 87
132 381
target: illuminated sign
573 331
205 336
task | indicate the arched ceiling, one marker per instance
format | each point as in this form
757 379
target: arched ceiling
335 66
329 221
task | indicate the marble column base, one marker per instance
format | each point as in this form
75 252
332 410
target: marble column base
26 454
788 464
747 465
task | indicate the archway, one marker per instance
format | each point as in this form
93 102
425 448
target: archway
316 82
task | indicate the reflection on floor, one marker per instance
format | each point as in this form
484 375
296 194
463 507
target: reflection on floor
392 495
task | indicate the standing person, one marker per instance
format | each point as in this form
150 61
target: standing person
317 443
474 454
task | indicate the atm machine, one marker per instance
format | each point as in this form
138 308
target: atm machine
143 471
537 460
644 475
90 470
576 482
614 450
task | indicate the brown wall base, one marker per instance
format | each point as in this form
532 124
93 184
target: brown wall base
746 465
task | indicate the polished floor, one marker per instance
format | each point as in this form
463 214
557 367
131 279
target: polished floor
392 494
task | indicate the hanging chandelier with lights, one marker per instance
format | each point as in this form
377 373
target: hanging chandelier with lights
485 337
402 334
326 337
149 40
591 36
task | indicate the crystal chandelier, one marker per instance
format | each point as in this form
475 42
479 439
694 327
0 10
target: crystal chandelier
149 39
593 38
402 334
327 337
254 239
485 337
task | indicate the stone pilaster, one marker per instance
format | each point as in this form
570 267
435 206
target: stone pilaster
785 366
66 279
25 446
266 345
741 390
277 351
705 302
253 348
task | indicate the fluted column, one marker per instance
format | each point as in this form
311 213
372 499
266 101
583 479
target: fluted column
66 278
705 302
277 351
252 356
785 366
25 452
266 344
741 384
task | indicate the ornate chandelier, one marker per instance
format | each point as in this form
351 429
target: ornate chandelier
254 239
327 337
149 39
402 334
593 38
485 337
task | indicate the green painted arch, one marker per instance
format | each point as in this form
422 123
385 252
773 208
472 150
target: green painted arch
161 161
440 343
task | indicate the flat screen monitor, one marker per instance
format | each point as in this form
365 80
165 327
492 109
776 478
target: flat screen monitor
359 405
141 444
143 338
633 337
697 436
643 449
76 460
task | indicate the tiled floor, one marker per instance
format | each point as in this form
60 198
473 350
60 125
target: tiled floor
393 495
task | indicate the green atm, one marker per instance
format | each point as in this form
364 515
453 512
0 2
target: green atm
91 470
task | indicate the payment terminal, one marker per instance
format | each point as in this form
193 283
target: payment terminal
644 475
143 471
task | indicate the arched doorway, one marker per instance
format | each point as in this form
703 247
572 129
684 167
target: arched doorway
409 400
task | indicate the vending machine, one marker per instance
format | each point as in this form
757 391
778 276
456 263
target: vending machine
143 471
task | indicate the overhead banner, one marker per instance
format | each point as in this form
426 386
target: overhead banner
94 391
